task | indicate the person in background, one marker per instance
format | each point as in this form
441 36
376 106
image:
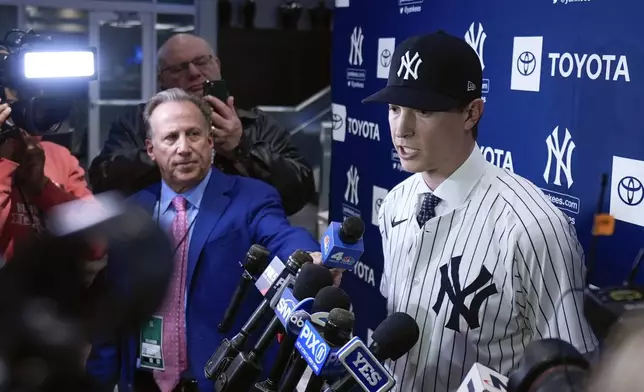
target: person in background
248 143
35 176
213 219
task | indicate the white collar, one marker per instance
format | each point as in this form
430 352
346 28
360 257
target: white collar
458 186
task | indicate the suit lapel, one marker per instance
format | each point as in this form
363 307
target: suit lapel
148 198
213 204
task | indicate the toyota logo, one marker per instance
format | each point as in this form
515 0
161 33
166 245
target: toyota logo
385 58
526 63
378 204
338 121
630 191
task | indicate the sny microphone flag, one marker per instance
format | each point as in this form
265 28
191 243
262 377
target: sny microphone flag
288 304
364 367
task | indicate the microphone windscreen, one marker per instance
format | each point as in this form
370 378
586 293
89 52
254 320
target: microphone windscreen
256 259
338 327
341 319
300 257
310 280
352 229
330 297
396 335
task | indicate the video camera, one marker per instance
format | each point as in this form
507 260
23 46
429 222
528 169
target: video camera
45 78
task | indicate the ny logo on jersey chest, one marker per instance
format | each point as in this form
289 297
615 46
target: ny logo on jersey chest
451 286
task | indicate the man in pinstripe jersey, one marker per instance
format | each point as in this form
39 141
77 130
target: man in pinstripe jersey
478 255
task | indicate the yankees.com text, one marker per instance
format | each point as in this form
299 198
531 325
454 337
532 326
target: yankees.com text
560 202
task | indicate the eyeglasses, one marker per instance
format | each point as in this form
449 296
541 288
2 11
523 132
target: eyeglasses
198 62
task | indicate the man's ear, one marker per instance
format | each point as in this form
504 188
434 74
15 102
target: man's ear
149 148
211 139
473 113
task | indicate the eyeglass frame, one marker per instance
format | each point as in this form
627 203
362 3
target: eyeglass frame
180 68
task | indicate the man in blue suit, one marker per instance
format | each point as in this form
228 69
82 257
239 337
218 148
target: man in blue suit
213 219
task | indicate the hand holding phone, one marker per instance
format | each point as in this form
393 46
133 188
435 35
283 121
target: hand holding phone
226 126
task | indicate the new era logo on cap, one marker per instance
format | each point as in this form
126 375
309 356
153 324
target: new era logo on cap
407 63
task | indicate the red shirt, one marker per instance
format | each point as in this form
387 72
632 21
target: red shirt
67 182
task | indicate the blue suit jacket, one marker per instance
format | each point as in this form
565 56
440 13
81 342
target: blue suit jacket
235 213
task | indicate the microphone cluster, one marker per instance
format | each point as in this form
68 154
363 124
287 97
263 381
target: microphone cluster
315 321
230 349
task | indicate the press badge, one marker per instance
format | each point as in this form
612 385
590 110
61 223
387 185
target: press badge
151 342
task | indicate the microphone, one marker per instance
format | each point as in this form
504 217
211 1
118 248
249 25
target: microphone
245 368
364 368
322 358
483 379
277 275
337 332
342 244
392 339
327 299
229 349
255 261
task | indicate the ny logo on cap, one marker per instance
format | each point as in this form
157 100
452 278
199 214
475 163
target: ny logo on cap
407 63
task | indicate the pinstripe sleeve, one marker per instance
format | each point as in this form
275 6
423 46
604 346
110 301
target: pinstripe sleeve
550 265
384 234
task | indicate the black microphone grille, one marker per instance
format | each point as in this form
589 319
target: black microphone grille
341 319
300 257
396 335
352 229
256 259
310 280
330 297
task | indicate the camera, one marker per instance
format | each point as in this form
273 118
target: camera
550 365
45 79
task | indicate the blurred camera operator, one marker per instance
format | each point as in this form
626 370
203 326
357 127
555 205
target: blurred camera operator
35 176
248 143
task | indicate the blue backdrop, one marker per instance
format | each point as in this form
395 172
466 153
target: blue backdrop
564 99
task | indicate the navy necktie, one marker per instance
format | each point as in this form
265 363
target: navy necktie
427 209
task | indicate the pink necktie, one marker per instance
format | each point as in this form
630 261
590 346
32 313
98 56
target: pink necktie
173 310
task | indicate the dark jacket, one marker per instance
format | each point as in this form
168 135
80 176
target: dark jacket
265 153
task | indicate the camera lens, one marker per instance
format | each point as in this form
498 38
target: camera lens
549 365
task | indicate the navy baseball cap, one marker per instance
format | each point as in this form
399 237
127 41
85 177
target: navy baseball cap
435 72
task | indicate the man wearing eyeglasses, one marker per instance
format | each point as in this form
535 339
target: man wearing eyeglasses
248 143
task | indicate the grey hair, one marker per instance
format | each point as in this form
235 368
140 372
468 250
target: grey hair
174 95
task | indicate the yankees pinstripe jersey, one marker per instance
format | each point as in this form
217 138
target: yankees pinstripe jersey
495 269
